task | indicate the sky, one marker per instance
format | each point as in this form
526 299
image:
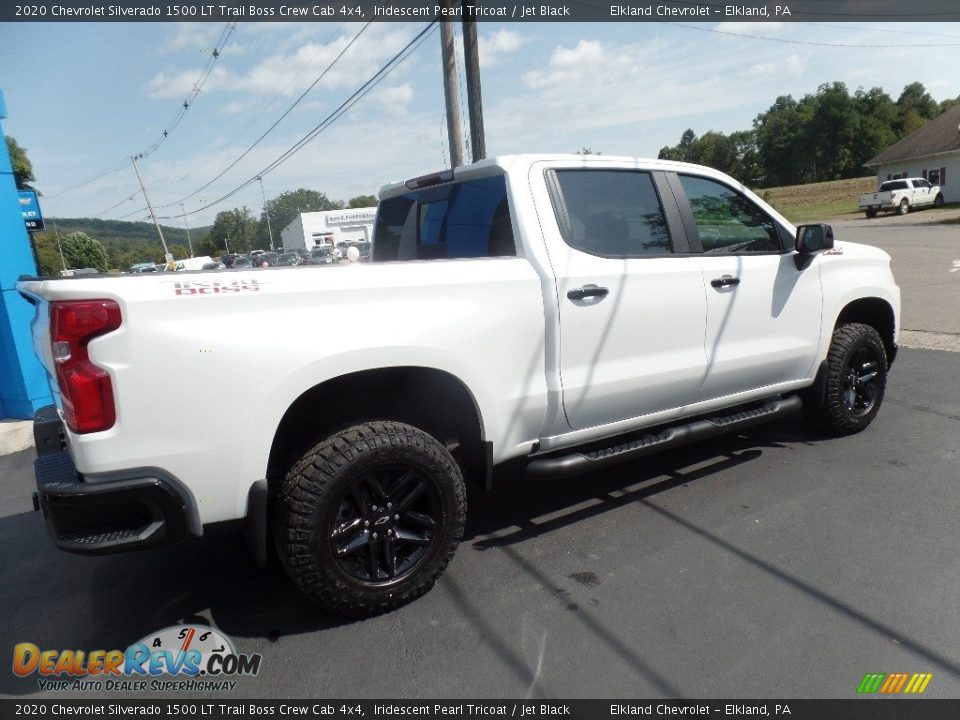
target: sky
83 98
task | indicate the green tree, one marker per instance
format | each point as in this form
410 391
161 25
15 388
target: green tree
48 255
916 97
234 229
363 201
287 205
82 251
22 168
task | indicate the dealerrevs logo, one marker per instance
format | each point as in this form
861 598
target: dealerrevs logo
179 650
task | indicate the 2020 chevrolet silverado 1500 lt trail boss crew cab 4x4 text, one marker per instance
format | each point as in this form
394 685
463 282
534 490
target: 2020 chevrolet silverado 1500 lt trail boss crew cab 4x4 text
571 311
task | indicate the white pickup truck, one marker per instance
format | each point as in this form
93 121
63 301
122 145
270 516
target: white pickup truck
901 196
566 311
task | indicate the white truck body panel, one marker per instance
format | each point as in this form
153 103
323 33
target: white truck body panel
544 372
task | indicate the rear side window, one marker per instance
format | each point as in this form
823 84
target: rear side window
468 219
611 213
893 185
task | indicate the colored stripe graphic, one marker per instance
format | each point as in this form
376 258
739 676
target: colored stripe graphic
895 683
871 682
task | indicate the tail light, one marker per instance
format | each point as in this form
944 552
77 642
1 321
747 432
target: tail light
86 389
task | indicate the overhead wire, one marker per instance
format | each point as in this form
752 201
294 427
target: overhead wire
266 107
274 125
345 106
175 120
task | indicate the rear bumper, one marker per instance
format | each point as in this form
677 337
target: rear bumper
133 511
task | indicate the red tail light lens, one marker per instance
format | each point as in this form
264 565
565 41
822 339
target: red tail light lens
85 388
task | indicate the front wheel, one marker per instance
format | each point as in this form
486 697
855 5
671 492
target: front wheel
369 518
856 381
904 207
938 201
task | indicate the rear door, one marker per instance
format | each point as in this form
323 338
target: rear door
631 297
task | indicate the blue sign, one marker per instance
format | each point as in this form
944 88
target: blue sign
30 209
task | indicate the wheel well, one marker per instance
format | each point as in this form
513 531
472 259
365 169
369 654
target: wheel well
432 400
874 312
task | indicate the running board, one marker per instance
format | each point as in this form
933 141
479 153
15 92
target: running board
548 468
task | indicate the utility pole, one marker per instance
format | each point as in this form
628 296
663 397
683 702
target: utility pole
56 230
478 144
187 228
166 251
450 94
266 212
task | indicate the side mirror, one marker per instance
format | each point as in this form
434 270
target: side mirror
814 238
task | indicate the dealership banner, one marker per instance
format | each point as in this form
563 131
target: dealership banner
712 11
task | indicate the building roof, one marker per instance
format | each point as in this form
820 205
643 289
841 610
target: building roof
940 135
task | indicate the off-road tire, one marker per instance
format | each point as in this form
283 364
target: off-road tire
938 201
871 212
855 382
327 496
904 207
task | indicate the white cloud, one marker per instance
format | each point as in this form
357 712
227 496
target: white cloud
395 100
291 71
493 48
757 29
792 65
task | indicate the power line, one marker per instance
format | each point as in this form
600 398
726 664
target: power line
272 101
357 95
197 87
810 42
277 122
174 122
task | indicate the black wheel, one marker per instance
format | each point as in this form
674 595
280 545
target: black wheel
871 212
938 201
368 519
904 207
856 380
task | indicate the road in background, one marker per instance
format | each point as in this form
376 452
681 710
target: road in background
926 265
773 563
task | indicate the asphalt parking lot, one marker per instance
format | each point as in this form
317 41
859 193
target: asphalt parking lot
926 264
775 563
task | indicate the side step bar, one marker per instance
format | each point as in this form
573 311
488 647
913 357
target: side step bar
574 463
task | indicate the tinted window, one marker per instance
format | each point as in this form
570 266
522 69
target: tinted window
726 220
921 183
612 213
464 220
893 185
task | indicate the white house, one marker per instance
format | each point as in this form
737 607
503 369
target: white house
329 227
932 152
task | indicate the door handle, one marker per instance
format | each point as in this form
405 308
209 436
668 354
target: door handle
725 281
587 291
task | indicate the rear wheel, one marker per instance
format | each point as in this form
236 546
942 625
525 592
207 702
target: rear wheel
856 381
904 207
369 518
871 212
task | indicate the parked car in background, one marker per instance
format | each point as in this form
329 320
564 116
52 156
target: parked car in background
241 262
143 267
288 258
229 259
264 259
323 255
901 196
